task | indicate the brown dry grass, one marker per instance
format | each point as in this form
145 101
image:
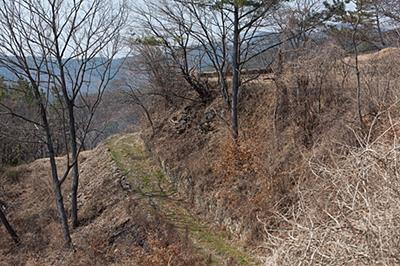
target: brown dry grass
116 228
384 54
252 189
348 211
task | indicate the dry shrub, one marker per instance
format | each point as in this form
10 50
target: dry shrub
265 174
319 86
310 89
236 160
13 174
380 79
159 77
348 213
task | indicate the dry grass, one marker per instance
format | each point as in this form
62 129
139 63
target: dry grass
270 183
116 227
345 208
384 54
348 213
151 184
304 182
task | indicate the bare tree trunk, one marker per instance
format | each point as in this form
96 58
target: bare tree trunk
198 87
148 116
378 25
224 87
235 78
358 74
282 102
56 182
8 226
70 102
75 168
54 172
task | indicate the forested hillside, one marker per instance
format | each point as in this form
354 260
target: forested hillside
174 132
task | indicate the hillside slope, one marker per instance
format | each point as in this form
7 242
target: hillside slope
301 186
309 181
129 212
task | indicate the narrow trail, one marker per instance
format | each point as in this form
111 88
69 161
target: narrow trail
150 183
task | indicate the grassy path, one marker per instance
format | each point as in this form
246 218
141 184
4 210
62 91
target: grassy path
148 181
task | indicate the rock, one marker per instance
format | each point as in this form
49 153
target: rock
205 127
180 130
125 184
181 121
210 115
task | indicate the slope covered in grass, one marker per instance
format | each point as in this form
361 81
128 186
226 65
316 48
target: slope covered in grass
117 225
305 183
146 179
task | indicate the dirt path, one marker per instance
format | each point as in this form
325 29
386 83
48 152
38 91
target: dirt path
146 179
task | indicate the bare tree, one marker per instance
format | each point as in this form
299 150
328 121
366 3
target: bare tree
229 36
166 21
248 20
358 20
210 28
297 22
231 33
389 8
135 96
8 226
61 47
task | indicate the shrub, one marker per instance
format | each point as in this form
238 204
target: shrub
347 213
13 174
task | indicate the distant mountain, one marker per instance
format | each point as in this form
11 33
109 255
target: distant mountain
260 42
6 74
92 79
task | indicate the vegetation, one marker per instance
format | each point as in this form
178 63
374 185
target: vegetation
152 184
199 132
38 43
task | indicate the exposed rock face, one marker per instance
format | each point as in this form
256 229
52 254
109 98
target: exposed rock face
209 205
185 119
181 120
206 123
